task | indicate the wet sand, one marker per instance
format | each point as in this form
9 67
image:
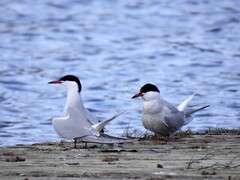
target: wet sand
192 157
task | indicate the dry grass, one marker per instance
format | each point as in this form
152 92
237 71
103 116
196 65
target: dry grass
147 135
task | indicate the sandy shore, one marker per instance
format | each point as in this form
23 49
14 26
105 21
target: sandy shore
193 157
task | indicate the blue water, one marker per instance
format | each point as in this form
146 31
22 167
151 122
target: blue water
115 47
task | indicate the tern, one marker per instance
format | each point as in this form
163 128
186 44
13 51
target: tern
78 123
161 117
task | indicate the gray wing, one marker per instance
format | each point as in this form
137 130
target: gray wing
80 123
104 139
85 114
68 128
173 118
92 120
74 124
189 117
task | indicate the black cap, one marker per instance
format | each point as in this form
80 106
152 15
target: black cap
149 87
72 78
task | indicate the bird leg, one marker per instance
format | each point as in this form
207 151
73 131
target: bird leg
167 138
75 144
157 137
85 145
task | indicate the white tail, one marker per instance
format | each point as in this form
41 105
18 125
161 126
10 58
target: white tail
184 104
189 118
189 113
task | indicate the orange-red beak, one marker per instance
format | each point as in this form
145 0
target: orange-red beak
55 82
137 95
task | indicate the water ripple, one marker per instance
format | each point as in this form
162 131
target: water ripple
115 47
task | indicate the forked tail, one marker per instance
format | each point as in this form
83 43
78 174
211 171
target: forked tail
189 113
99 126
184 104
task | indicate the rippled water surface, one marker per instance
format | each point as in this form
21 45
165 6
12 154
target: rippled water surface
115 47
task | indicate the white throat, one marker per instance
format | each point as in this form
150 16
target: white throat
152 102
73 96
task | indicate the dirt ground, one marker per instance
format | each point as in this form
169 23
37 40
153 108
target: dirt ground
192 157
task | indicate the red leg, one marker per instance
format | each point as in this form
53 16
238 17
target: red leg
75 144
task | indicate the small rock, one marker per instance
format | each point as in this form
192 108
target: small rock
159 166
110 159
93 147
132 150
14 159
73 163
109 151
204 172
8 154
